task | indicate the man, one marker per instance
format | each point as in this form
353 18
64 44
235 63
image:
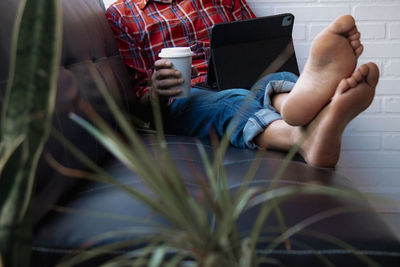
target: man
326 97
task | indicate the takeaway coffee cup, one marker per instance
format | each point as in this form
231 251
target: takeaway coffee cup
181 59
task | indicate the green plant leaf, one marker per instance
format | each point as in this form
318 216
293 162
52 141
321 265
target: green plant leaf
27 110
158 256
6 185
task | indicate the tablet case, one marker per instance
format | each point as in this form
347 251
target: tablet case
241 52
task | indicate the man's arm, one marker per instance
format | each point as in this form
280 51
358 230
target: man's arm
132 54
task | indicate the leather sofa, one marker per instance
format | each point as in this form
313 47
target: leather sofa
88 42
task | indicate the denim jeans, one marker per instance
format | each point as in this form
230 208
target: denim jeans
242 113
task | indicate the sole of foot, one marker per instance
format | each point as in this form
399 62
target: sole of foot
353 95
333 56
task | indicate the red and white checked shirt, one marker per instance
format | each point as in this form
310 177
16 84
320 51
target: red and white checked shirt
144 27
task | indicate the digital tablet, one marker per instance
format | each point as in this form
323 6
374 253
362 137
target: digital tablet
242 52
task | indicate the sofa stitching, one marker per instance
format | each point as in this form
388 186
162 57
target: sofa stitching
277 252
104 187
178 143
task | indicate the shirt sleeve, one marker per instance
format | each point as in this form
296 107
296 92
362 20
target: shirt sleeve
131 52
241 10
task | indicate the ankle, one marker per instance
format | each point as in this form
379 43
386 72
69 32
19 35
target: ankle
277 100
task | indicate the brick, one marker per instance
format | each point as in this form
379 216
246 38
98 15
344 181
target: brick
368 30
262 11
314 13
299 31
375 107
391 104
394 31
377 12
392 68
301 63
391 142
388 87
362 159
372 30
302 50
382 50
372 177
316 29
375 124
361 142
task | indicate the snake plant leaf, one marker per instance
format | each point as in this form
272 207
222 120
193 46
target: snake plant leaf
27 109
8 153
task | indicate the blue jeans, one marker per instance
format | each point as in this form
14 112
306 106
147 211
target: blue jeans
243 113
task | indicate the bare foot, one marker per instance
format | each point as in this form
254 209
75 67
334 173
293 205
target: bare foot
333 56
353 95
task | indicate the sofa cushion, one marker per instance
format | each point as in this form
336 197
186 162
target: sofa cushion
98 209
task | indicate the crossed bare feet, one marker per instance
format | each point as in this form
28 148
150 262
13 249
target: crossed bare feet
333 56
351 97
329 93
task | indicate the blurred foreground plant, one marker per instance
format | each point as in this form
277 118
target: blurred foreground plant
204 228
25 120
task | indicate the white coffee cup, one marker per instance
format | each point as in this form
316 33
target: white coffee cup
181 59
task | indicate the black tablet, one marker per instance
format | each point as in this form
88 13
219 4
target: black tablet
241 52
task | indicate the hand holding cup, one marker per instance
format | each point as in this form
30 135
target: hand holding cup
172 75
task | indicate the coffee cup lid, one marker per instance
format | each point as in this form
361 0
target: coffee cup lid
172 52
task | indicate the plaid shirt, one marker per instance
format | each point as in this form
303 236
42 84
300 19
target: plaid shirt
144 27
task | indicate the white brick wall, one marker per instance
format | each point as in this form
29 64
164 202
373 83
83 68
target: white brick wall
371 143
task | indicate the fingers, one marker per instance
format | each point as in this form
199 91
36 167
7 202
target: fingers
162 64
165 79
169 92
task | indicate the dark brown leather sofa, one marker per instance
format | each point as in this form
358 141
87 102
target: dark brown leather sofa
88 42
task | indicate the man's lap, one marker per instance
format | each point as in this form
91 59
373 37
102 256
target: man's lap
230 110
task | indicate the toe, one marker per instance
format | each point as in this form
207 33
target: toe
373 75
352 81
344 25
358 51
359 75
355 44
342 87
363 70
355 36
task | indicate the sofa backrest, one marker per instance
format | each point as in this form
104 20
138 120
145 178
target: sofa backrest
87 43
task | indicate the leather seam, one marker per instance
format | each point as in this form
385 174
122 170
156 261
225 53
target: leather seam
105 187
279 252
